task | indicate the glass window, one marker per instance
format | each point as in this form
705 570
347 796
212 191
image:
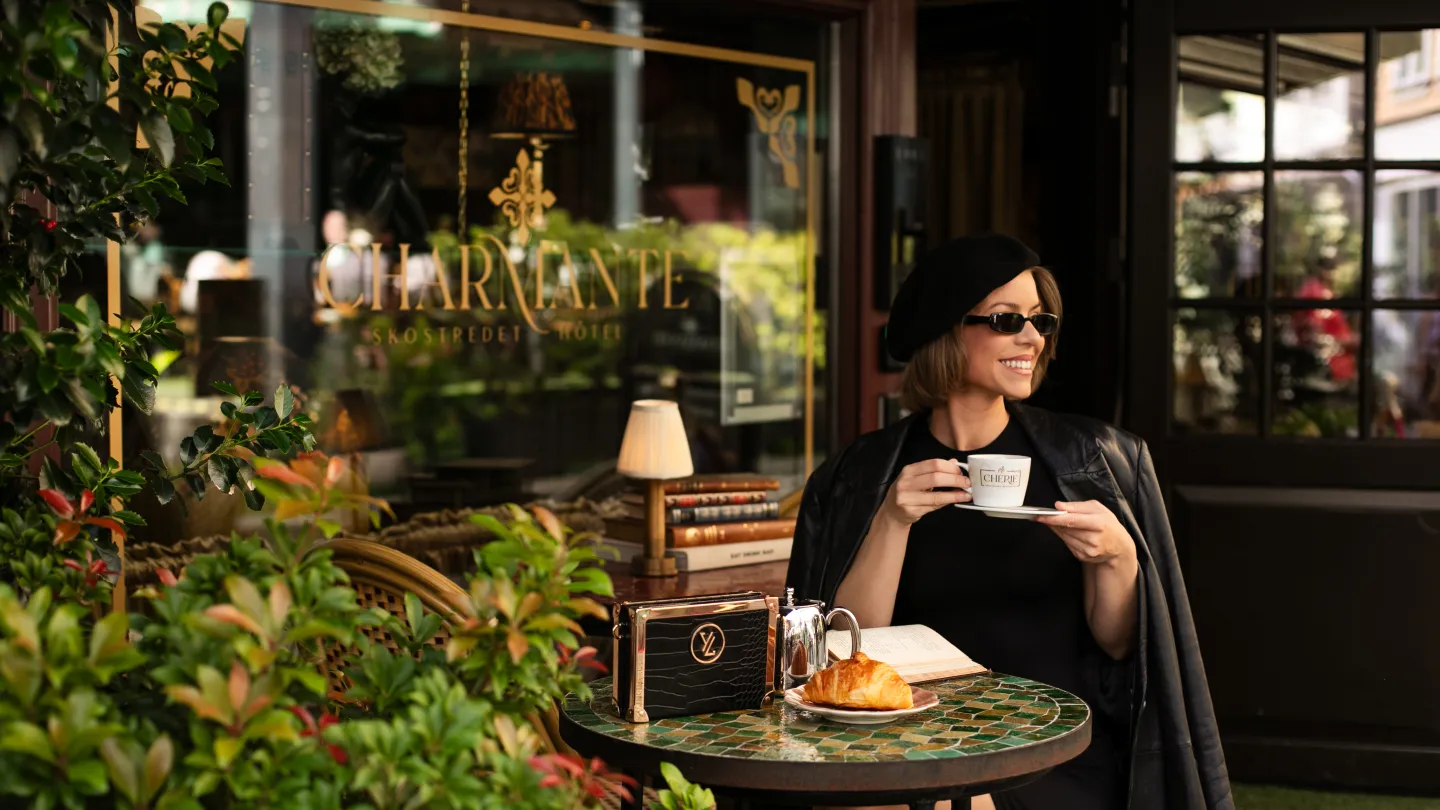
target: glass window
469 249
1288 280
1320 97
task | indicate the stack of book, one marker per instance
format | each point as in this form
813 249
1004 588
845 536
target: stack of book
711 521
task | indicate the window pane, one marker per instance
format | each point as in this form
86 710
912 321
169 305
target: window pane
1407 234
1407 96
1318 220
1407 374
1320 97
591 225
1215 124
1218 234
1316 356
1217 358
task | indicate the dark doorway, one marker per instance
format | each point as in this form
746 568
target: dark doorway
1017 99
1286 340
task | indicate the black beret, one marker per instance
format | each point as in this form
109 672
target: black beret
948 282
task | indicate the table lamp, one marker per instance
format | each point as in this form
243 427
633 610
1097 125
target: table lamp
655 449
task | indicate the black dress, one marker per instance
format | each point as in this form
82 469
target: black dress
1010 595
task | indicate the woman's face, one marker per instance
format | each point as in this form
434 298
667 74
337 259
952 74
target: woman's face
999 363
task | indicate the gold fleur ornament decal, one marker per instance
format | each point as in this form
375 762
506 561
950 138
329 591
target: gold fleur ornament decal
775 116
523 197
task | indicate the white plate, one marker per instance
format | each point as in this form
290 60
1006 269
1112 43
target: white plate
1013 512
923 699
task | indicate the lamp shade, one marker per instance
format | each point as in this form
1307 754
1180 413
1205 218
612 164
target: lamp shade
534 105
353 423
655 445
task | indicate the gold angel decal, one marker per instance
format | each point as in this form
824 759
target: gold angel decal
775 116
523 197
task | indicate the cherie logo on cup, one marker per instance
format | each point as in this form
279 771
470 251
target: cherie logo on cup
1000 477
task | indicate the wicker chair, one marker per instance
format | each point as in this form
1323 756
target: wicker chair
381 576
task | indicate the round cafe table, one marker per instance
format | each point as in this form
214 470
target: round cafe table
990 732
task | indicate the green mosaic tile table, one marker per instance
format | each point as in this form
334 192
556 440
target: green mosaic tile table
989 731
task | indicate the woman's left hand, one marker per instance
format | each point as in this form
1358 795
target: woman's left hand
1091 532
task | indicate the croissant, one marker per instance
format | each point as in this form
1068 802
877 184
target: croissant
860 683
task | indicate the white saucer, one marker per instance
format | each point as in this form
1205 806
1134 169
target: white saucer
923 698
1013 512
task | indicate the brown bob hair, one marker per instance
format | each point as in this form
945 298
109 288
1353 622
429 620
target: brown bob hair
938 368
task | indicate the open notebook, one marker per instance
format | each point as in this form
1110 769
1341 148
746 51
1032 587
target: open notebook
918 653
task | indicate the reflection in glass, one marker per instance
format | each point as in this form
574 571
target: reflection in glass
1407 374
1215 124
502 241
1217 357
1318 222
1407 96
1320 97
1406 242
1316 379
1218 237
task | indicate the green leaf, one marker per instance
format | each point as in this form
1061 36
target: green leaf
226 749
217 14
165 491
225 388
140 391
90 457
73 313
115 138
129 518
88 776
254 499
216 470
329 528
157 132
180 118
284 401
27 738
124 764
188 450
47 376
10 156
311 680
30 118
147 201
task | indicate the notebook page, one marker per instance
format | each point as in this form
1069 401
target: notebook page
905 646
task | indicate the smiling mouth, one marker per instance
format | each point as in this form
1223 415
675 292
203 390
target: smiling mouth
1022 366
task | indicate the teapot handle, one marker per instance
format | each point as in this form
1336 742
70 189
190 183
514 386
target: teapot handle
854 627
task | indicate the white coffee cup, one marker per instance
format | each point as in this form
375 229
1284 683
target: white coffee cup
996 479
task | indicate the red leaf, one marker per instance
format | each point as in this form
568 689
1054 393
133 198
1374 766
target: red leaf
65 531
594 789
284 475
57 502
108 523
306 718
327 720
87 500
167 577
73 564
550 781
338 753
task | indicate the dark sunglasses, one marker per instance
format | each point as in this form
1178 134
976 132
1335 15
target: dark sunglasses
1013 323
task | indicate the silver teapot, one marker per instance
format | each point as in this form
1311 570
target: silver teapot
800 649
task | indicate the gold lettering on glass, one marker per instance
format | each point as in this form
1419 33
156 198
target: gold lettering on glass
775 116
523 198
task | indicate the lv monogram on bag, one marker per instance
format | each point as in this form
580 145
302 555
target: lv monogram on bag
693 655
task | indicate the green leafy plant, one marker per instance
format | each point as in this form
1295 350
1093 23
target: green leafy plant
682 795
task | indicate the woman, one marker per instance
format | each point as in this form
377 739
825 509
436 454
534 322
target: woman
1090 600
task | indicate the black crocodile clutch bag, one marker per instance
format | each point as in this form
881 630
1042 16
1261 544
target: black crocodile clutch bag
693 655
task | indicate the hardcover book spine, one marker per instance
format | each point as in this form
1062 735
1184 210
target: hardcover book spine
717 514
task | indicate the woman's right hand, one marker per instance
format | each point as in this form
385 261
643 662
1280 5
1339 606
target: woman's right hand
913 495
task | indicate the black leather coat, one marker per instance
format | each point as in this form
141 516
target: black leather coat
1159 692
